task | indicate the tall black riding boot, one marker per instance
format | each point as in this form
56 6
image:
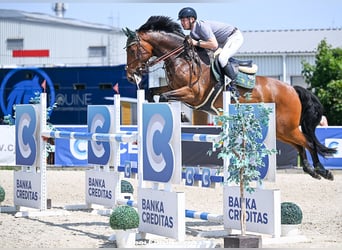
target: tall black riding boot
230 71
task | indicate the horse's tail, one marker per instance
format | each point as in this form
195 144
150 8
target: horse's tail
312 111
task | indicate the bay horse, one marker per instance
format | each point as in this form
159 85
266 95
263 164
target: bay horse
191 81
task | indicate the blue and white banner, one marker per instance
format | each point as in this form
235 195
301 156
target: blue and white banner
100 120
26 129
332 138
74 152
161 142
71 152
129 151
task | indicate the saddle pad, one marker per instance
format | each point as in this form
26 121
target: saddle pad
245 80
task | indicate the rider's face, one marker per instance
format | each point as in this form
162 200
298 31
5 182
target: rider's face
186 22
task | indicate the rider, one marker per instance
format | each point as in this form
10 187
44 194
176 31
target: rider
213 35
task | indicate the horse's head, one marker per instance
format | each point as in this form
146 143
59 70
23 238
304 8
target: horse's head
154 38
138 53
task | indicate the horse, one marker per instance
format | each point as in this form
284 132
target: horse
191 80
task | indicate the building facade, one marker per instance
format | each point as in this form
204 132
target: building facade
34 39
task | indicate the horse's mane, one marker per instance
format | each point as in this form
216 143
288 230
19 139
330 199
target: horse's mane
162 23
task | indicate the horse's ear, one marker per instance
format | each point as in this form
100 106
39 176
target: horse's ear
125 30
128 32
131 32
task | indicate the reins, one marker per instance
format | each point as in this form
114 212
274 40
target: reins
166 56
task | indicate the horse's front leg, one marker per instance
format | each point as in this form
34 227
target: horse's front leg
184 94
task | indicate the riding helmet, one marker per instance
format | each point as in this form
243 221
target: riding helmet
187 12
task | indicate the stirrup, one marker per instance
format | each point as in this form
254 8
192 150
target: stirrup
231 86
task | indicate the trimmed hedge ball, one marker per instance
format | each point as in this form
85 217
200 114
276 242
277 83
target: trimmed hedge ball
124 217
291 213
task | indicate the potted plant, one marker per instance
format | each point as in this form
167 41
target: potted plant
291 218
240 144
125 221
2 194
127 190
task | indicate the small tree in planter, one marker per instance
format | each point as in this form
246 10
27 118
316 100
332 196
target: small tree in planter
240 144
125 220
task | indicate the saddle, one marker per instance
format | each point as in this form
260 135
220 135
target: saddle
245 70
245 78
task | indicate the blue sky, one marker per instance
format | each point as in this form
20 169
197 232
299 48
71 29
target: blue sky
245 14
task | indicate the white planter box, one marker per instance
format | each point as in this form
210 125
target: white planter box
289 229
125 238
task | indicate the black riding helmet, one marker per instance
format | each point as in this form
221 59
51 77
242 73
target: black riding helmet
187 12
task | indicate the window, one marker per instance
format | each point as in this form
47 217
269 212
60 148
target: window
97 51
79 86
15 43
106 86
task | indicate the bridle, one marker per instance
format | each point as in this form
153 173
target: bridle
141 50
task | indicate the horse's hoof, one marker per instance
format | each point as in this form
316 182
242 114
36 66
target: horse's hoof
325 174
312 173
162 98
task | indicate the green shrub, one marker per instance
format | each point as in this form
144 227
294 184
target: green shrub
291 213
124 217
126 187
2 194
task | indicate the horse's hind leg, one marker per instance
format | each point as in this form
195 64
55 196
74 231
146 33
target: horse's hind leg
297 139
319 168
307 168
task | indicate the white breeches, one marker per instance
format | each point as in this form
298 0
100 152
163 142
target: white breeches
232 45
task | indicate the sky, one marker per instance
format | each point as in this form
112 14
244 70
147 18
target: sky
244 14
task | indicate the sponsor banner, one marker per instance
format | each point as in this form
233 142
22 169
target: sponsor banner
262 210
129 153
162 213
7 145
332 138
161 142
27 134
101 187
100 119
27 189
71 152
74 152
